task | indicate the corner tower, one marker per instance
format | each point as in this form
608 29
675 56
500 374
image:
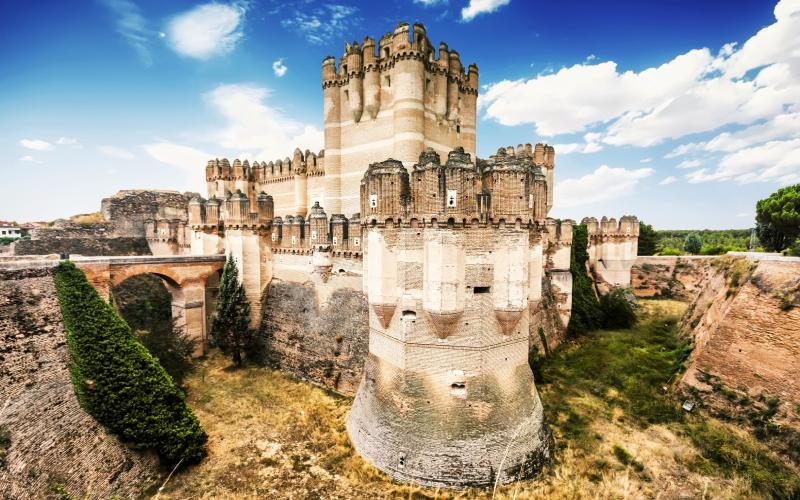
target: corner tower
448 398
392 99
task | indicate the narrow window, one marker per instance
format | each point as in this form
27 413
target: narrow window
387 82
346 95
482 289
458 129
386 52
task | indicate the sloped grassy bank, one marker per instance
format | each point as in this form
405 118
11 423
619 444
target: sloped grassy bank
118 381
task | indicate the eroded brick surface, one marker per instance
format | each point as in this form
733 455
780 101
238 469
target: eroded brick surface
54 443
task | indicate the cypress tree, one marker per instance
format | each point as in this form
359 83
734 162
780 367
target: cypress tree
231 326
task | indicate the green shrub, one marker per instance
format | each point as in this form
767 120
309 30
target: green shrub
118 381
586 314
618 312
718 249
670 251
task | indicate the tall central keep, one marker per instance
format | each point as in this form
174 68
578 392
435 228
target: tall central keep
394 104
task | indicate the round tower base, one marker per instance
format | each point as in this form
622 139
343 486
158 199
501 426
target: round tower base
417 434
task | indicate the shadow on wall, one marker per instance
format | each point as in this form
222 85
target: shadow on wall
325 345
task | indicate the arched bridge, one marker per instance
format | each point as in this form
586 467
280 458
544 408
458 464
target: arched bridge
191 279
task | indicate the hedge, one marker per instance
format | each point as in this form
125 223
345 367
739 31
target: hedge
118 381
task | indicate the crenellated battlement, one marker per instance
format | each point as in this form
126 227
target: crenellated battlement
612 248
307 163
402 44
506 187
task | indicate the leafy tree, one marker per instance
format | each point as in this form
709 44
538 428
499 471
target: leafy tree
647 239
117 381
586 313
693 243
778 218
231 325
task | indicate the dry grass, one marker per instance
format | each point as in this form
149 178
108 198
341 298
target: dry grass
273 437
88 219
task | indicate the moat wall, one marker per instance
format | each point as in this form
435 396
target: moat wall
312 330
55 445
670 277
745 327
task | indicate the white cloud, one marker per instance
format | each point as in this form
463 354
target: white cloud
183 157
279 68
744 214
773 161
572 99
115 152
186 158
132 26
69 141
324 23
430 3
683 149
30 159
254 126
645 160
605 183
36 144
668 180
689 164
477 7
208 30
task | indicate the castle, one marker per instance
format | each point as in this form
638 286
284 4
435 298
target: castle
456 256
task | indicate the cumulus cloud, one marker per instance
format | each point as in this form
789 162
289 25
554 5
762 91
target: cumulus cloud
115 152
773 161
323 23
478 7
208 30
572 99
279 68
254 126
668 180
689 164
132 25
605 183
430 3
36 144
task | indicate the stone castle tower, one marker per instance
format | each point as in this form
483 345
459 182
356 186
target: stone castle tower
392 103
453 266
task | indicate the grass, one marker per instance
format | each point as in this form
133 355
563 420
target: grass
607 396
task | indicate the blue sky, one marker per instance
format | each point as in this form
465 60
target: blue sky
683 113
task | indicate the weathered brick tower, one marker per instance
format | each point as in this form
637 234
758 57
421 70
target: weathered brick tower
453 264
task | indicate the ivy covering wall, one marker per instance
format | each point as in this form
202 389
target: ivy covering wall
586 312
118 381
